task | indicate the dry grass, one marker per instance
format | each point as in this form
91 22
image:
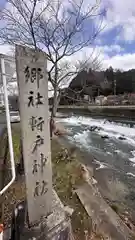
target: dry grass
16 192
67 175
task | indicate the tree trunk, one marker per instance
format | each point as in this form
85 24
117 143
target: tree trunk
57 93
55 105
53 113
56 101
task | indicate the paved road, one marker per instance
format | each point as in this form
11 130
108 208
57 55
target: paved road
95 107
2 118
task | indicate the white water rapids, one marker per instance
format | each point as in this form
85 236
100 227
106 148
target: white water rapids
112 144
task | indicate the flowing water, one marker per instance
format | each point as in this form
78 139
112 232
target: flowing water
112 143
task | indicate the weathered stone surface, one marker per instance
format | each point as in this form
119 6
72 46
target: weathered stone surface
56 226
33 98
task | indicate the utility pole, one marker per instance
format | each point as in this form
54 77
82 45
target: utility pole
114 87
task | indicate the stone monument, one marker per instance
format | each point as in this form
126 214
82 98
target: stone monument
47 217
33 97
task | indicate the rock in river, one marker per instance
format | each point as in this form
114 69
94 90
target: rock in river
105 137
122 138
94 128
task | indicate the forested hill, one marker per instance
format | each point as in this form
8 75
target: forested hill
125 80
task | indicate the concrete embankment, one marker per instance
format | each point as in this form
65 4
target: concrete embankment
105 222
108 111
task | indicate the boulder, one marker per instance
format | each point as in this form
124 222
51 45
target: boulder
105 137
94 128
122 138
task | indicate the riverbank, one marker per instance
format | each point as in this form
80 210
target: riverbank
122 112
109 150
117 187
104 219
69 177
115 193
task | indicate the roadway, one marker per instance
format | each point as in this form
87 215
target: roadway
132 107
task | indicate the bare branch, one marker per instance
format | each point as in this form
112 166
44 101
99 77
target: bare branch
59 29
31 23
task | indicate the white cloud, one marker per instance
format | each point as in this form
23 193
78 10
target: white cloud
125 61
49 7
111 49
121 13
119 61
122 61
129 30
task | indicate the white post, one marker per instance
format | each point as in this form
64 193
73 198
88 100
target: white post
33 96
1 231
8 127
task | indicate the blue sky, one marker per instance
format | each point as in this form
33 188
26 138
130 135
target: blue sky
116 43
2 3
119 34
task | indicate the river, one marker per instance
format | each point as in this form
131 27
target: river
112 145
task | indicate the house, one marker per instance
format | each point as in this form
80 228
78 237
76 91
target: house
100 100
84 88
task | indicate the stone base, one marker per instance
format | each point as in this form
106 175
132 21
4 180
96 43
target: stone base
56 226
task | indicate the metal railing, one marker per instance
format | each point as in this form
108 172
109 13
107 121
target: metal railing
3 75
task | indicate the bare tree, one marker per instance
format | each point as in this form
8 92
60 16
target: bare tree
61 28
